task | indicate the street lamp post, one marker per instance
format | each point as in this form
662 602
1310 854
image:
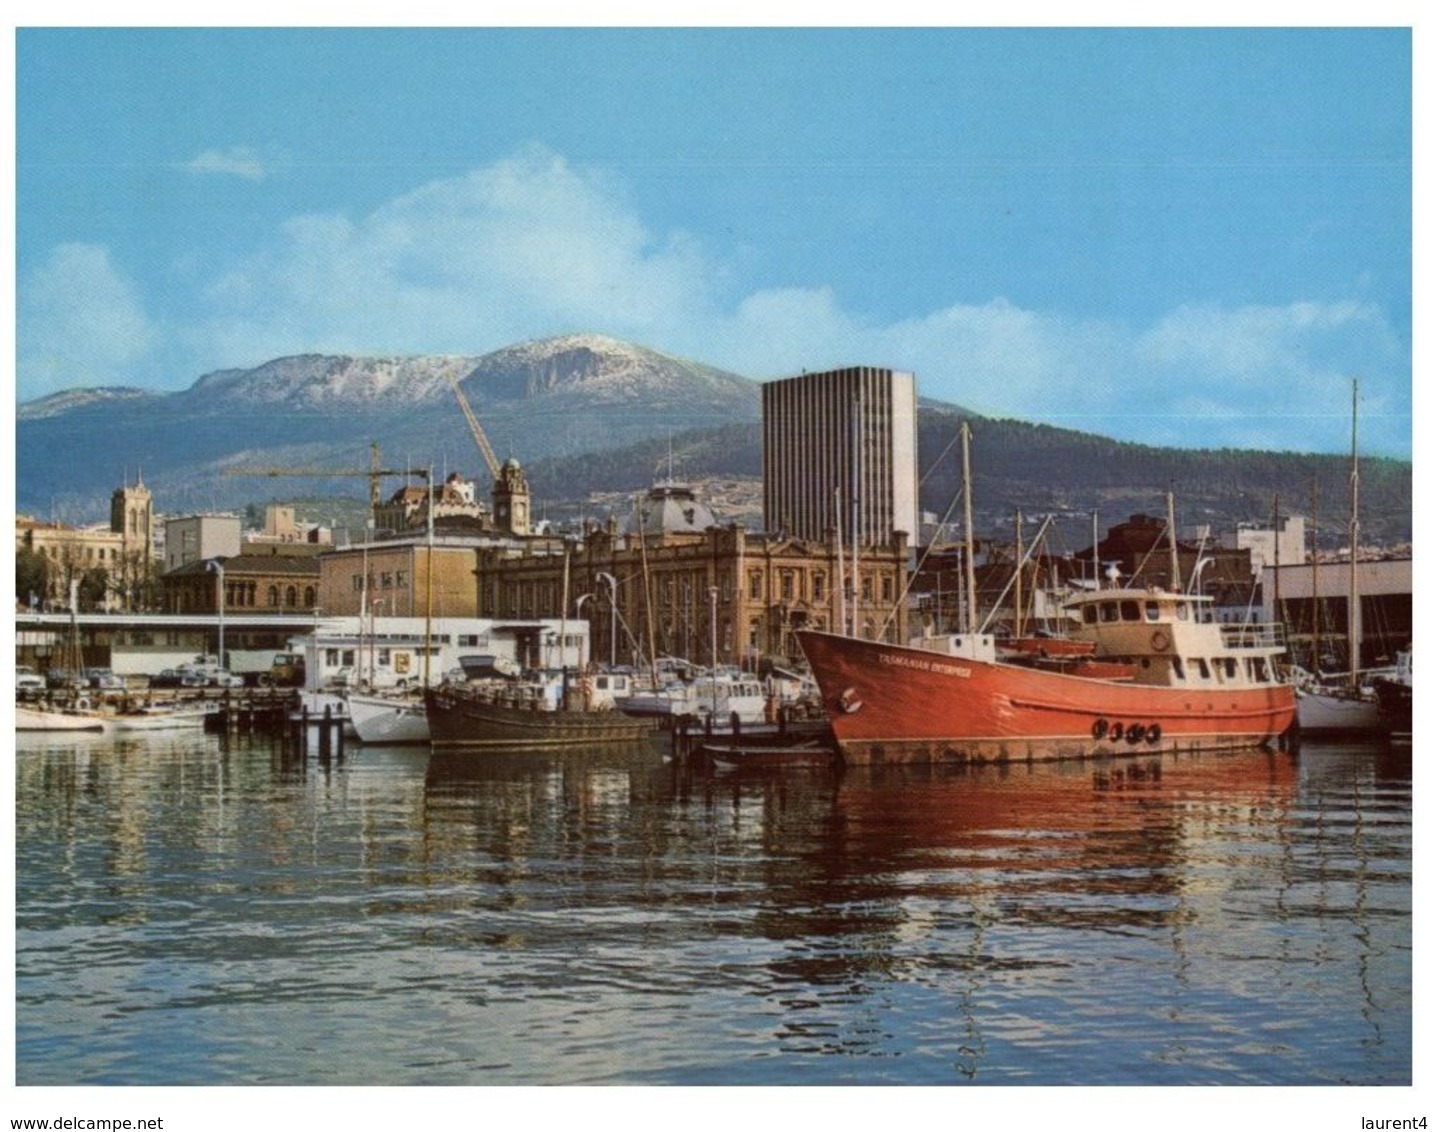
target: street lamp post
609 580
579 613
714 653
218 567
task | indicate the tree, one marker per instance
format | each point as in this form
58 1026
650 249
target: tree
32 576
94 584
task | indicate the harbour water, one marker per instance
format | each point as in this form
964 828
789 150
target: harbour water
201 910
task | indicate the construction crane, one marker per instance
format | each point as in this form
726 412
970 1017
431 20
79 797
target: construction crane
375 473
481 440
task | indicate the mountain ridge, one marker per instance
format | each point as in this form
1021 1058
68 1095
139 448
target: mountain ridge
581 412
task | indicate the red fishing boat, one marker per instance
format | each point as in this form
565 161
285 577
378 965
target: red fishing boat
1163 676
1138 670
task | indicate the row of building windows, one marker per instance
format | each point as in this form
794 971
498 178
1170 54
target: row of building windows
244 595
792 586
92 554
387 579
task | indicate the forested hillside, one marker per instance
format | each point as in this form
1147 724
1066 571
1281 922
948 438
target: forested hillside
1042 470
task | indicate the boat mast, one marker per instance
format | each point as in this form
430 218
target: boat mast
1355 628
645 578
969 598
564 603
1018 575
429 569
1314 569
855 483
1094 521
1277 616
1173 545
839 561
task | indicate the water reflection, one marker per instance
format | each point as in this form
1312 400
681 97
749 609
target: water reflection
611 916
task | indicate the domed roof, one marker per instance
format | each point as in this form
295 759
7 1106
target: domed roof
672 508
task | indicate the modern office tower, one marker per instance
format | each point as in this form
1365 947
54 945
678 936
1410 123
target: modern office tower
840 450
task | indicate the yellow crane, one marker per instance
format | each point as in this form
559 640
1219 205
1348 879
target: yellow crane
481 440
374 472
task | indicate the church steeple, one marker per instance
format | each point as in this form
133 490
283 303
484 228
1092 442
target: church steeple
132 516
511 497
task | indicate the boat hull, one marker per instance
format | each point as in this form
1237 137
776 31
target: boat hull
1323 713
160 720
36 719
458 719
1396 708
380 720
890 703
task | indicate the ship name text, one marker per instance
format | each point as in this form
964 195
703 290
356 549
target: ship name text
899 660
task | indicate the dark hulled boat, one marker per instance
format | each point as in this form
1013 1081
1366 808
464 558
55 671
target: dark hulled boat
1396 698
516 714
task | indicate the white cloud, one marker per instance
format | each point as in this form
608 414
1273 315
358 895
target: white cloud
526 246
535 245
237 161
81 323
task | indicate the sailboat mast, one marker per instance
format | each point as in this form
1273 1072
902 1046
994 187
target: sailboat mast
1094 520
1314 568
854 506
1018 575
1355 628
564 606
645 578
1173 545
969 595
1276 562
429 569
839 591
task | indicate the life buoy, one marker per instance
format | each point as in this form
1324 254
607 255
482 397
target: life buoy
1159 641
849 701
1100 728
1134 734
1153 734
1116 732
82 703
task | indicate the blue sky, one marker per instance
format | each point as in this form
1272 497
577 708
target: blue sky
1176 236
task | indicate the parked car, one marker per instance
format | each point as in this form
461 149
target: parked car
29 684
211 676
342 678
167 678
287 670
65 678
104 680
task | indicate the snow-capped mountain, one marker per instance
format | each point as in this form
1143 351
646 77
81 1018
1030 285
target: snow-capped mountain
57 404
556 396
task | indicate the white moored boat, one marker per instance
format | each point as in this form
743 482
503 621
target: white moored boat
719 695
44 719
159 719
388 719
1336 710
